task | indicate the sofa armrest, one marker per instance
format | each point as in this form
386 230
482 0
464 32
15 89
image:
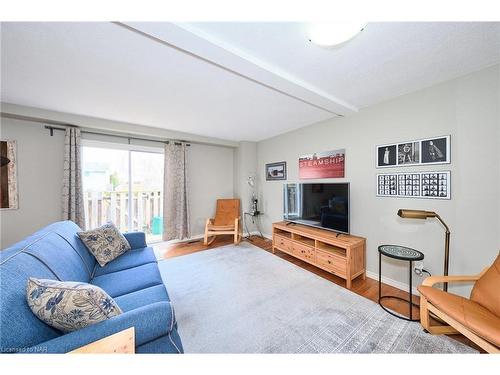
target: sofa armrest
136 239
150 322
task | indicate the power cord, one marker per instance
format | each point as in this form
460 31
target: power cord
419 271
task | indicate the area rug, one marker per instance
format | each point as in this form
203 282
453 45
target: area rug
242 299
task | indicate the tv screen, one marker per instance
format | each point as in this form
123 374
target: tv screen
320 205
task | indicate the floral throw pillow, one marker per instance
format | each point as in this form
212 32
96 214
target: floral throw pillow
68 306
105 243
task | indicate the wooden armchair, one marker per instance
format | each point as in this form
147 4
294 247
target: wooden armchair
227 221
477 318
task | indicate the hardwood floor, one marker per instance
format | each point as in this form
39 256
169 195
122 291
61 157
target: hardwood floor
367 288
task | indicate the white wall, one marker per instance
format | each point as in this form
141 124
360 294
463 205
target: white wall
40 173
210 177
40 166
245 165
468 109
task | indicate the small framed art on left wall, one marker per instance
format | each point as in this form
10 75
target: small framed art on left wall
276 171
8 175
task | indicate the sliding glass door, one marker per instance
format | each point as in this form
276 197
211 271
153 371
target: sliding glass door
147 193
124 184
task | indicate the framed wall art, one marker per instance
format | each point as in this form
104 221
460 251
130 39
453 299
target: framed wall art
433 185
426 151
276 171
8 175
328 164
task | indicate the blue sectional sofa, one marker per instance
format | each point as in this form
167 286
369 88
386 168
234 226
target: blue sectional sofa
56 252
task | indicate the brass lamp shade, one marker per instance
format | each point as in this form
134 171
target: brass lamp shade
415 214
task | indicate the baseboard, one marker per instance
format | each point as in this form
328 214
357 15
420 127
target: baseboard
391 282
196 237
371 275
268 236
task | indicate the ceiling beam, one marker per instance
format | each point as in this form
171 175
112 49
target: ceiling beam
194 42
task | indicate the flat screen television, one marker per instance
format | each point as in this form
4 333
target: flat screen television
323 205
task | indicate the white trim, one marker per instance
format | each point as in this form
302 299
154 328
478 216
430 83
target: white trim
391 282
268 236
192 238
130 207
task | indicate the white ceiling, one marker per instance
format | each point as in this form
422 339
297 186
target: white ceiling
235 81
384 61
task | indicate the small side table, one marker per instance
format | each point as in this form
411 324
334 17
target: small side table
401 253
252 215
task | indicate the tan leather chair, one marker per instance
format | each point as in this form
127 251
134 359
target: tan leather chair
477 318
227 221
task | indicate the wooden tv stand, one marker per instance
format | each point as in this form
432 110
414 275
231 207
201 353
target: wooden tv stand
342 255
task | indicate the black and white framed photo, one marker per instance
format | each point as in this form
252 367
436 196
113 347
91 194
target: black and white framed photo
409 153
436 150
276 171
387 156
425 151
429 185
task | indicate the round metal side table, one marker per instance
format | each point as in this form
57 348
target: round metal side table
400 253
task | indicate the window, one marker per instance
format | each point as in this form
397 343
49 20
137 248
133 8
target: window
123 184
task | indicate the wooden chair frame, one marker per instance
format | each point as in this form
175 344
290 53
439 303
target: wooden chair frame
453 327
237 232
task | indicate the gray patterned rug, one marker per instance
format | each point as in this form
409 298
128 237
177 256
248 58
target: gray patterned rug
242 299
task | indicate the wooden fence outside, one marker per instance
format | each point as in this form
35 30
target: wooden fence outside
104 206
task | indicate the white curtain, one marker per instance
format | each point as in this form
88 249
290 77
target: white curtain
72 195
175 193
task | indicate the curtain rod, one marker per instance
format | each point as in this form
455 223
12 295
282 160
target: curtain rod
66 125
55 124
52 128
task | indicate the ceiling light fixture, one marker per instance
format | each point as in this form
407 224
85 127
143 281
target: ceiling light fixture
332 34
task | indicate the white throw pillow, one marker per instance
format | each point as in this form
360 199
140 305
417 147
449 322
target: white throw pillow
105 243
69 306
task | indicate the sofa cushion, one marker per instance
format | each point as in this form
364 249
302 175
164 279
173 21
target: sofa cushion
105 243
130 259
469 313
68 230
136 239
142 297
129 280
60 257
19 327
485 291
69 306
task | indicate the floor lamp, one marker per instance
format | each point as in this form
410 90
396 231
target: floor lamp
419 214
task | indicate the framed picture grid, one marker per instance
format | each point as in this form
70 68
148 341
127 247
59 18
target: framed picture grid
427 151
431 185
